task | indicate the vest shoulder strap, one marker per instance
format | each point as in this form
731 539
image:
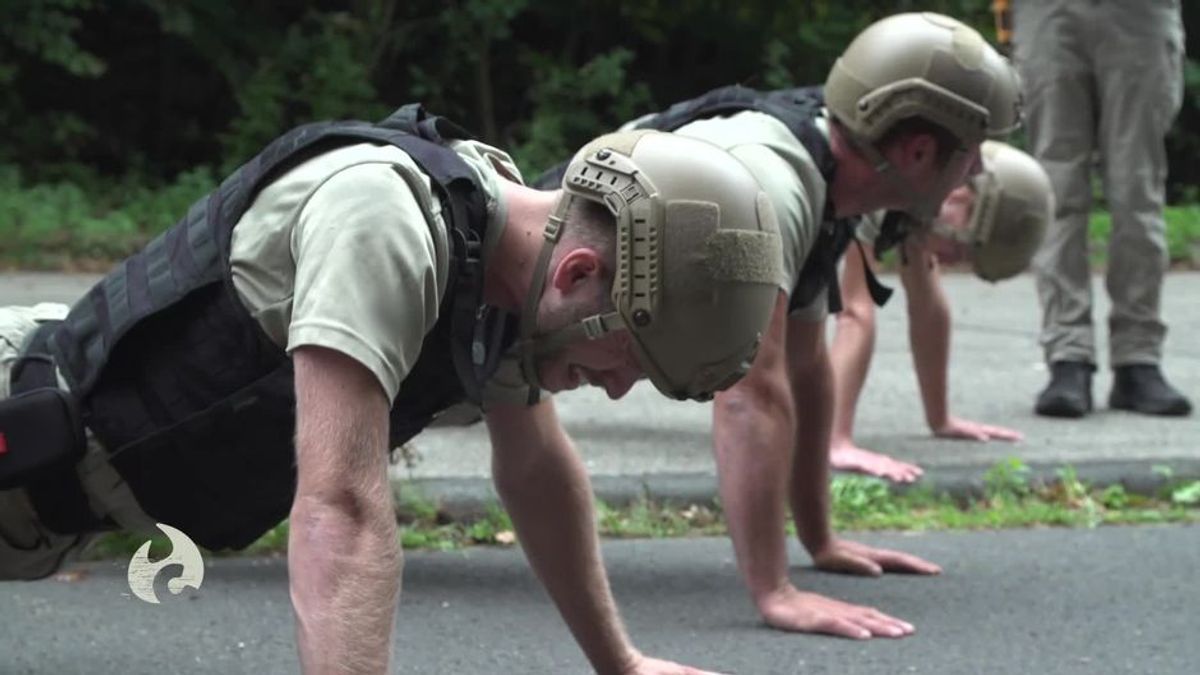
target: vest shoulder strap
195 251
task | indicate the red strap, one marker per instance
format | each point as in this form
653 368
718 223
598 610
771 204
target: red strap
3 445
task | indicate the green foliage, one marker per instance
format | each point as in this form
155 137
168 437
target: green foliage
1183 234
858 504
1114 497
424 525
856 496
416 507
143 90
495 522
320 71
124 545
570 104
1183 141
1187 495
45 30
1007 480
1074 493
648 518
42 33
50 224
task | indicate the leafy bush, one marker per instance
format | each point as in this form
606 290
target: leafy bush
59 223
571 104
1183 233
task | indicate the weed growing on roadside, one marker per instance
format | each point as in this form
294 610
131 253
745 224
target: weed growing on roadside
1011 499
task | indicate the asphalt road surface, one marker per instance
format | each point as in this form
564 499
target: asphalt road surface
1111 600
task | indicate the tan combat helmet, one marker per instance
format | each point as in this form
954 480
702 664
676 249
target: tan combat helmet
923 65
928 66
1014 204
698 259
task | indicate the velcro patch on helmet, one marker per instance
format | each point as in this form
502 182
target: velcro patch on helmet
622 142
743 256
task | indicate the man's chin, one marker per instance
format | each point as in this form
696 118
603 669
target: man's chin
556 382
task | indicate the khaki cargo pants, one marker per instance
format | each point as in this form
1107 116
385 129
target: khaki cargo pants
28 550
1102 76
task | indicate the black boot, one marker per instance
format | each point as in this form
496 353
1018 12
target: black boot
1069 393
1142 388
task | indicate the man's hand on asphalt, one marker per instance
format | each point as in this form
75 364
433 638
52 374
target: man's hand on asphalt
645 665
849 457
794 610
849 557
956 427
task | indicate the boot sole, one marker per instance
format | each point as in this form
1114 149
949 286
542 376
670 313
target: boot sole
1061 409
1179 409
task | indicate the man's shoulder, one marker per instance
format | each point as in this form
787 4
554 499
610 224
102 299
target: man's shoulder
741 128
314 172
488 160
331 162
761 141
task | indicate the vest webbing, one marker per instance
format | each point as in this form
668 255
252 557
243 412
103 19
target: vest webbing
183 388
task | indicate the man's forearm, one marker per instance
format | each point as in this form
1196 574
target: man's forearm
853 346
343 555
753 428
853 342
344 566
928 334
549 499
812 391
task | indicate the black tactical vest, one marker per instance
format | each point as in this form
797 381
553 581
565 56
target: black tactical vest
192 401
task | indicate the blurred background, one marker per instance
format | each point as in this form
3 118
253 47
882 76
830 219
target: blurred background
117 115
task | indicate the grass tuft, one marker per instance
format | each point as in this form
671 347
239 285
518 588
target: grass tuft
1010 499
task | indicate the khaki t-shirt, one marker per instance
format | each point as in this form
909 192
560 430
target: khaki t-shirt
789 176
348 251
868 227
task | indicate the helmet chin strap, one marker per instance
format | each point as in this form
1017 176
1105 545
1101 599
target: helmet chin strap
535 346
528 326
925 205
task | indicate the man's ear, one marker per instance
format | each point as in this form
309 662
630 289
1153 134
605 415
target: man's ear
575 268
921 149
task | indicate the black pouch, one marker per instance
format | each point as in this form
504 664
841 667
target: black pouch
40 431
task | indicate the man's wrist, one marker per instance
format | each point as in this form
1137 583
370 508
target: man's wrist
815 538
937 421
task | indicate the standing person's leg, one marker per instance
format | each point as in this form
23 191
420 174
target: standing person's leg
1051 50
1140 80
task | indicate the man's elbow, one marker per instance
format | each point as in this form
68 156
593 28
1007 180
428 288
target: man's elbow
759 395
514 477
857 314
334 517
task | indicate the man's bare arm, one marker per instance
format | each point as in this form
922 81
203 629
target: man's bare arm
853 344
547 493
753 428
546 490
810 497
811 377
344 559
929 329
753 437
850 355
